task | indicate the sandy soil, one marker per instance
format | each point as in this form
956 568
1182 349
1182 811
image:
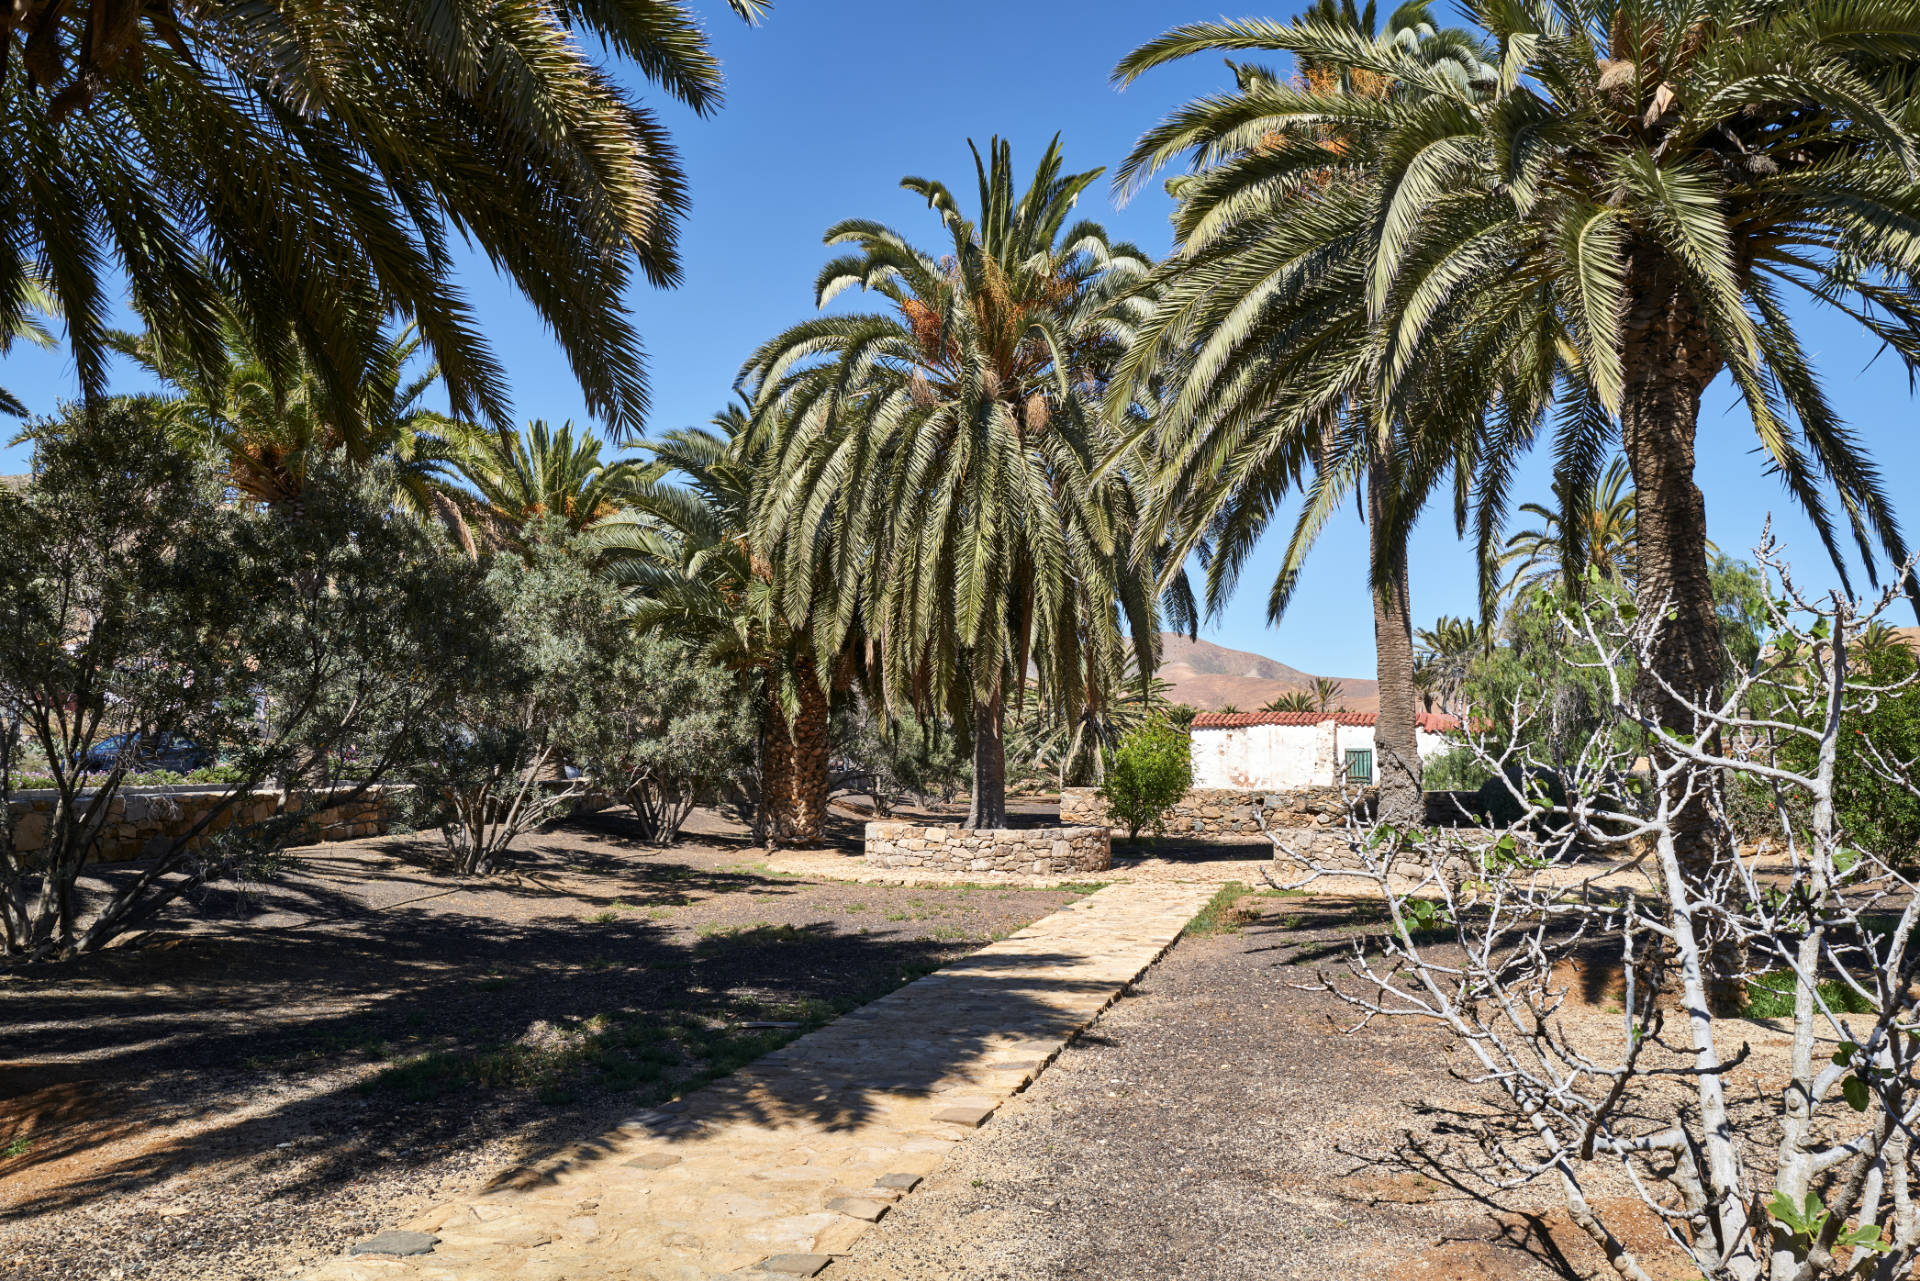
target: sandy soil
1218 1124
278 1074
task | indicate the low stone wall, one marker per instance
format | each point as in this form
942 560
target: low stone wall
1038 851
142 822
1222 813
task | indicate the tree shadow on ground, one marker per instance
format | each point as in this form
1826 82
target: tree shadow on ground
358 1033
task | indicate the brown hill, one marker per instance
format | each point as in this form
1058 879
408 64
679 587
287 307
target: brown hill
1209 677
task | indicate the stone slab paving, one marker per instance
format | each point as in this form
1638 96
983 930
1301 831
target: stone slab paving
774 1170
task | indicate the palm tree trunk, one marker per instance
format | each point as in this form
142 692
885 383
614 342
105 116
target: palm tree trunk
1395 736
776 768
1668 360
988 808
809 732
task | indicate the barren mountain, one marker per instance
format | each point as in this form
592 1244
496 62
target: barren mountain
1209 676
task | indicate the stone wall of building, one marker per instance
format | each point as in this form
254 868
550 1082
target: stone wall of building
144 821
1225 813
1038 851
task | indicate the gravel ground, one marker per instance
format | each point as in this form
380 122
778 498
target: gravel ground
1215 1125
277 1075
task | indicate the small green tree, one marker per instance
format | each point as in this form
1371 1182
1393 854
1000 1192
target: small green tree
664 728
554 626
1151 770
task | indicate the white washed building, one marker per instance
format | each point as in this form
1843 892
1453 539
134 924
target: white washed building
1254 751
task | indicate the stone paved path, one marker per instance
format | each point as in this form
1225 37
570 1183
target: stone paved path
774 1170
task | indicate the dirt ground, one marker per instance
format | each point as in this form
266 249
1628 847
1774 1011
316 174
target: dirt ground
1217 1125
279 1074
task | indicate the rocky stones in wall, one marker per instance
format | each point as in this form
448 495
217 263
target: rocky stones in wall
1040 851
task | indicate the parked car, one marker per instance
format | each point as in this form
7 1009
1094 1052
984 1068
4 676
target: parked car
172 752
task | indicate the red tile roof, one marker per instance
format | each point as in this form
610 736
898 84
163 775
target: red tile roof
1432 722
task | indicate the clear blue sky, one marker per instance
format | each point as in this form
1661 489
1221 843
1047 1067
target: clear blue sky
832 101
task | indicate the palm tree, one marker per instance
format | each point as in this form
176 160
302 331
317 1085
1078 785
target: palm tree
682 542
1327 693
1261 348
1294 700
1591 528
541 472
20 322
266 435
1446 654
1640 192
314 161
941 449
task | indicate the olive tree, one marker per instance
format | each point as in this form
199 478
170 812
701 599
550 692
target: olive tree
499 768
316 652
664 728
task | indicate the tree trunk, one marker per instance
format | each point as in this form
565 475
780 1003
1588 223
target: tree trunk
1668 360
776 767
1396 746
807 820
988 809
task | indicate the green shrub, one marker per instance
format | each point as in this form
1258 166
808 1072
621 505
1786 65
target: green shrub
1454 770
1151 770
1770 996
1873 815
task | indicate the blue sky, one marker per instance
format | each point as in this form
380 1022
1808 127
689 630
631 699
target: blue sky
830 102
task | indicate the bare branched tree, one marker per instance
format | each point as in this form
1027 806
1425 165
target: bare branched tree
1816 1181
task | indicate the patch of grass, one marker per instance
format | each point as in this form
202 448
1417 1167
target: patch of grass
1771 997
1218 916
856 907
1083 887
494 983
755 933
603 918
19 1146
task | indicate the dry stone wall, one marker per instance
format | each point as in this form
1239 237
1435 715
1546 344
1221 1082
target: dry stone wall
1038 851
1222 813
142 822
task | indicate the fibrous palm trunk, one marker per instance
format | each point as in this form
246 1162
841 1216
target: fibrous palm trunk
776 767
988 808
1395 737
807 816
1668 360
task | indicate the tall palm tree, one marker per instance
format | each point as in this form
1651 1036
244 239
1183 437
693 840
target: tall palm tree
942 449
682 541
1261 347
313 161
1641 191
1446 653
541 472
1592 528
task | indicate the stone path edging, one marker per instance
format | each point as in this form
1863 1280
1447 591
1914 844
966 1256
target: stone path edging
779 1167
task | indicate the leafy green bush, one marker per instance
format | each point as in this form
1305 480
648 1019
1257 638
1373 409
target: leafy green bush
1873 814
1454 770
1151 770
1770 996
